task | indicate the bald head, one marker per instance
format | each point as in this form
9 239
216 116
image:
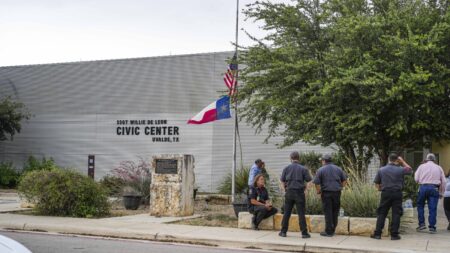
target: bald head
431 157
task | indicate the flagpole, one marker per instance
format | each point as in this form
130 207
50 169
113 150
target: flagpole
233 172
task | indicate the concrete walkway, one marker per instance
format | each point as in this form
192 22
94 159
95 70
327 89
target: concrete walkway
9 201
145 227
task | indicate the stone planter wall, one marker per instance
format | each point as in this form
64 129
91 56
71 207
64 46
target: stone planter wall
408 215
366 226
26 204
245 221
316 224
293 222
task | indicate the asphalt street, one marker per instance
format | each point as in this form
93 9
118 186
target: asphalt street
51 243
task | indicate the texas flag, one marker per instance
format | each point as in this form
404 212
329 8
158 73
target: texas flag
217 110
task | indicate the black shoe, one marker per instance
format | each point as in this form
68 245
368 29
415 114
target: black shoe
421 228
448 227
378 237
433 231
254 227
395 237
326 234
306 236
282 234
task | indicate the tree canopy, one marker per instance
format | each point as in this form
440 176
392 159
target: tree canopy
369 76
11 115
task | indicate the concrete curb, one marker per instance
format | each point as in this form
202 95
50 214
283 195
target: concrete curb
125 233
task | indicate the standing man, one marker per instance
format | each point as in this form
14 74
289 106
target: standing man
293 180
389 180
329 181
256 169
431 179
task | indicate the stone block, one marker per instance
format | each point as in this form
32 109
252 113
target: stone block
408 212
407 219
26 204
366 226
293 222
172 185
245 221
317 224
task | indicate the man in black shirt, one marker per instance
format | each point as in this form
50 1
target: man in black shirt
329 181
389 180
293 181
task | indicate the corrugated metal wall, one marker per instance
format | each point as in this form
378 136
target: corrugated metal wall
76 107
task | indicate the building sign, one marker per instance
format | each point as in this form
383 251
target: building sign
166 166
159 130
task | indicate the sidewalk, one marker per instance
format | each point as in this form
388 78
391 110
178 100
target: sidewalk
9 201
151 228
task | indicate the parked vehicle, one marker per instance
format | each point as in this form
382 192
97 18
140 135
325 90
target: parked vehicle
8 245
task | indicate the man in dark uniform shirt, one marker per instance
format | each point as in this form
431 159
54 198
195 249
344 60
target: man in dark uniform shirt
329 181
389 180
293 180
260 206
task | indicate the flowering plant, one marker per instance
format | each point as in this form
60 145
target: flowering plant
136 176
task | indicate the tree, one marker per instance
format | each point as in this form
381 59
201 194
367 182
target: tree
11 115
368 76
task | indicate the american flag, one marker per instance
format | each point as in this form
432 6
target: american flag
231 75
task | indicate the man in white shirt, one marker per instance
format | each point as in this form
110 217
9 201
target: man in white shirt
431 179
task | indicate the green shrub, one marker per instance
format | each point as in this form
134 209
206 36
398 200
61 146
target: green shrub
273 187
241 182
339 159
33 164
62 192
9 176
112 184
313 202
410 189
360 199
311 161
313 205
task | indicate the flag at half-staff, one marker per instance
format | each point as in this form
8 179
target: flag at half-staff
217 110
230 77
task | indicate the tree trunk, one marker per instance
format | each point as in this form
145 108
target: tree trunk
357 159
383 150
383 155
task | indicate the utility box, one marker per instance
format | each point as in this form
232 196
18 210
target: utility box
172 186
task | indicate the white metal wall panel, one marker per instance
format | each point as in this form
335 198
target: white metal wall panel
76 106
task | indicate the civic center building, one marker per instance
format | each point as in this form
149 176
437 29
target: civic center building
124 109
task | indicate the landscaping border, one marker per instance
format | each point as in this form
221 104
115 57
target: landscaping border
316 224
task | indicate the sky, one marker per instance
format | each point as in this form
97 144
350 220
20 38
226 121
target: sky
49 31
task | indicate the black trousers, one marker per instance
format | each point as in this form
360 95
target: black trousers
297 198
331 203
389 199
260 213
447 207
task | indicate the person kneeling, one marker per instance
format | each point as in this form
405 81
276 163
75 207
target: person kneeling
260 205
